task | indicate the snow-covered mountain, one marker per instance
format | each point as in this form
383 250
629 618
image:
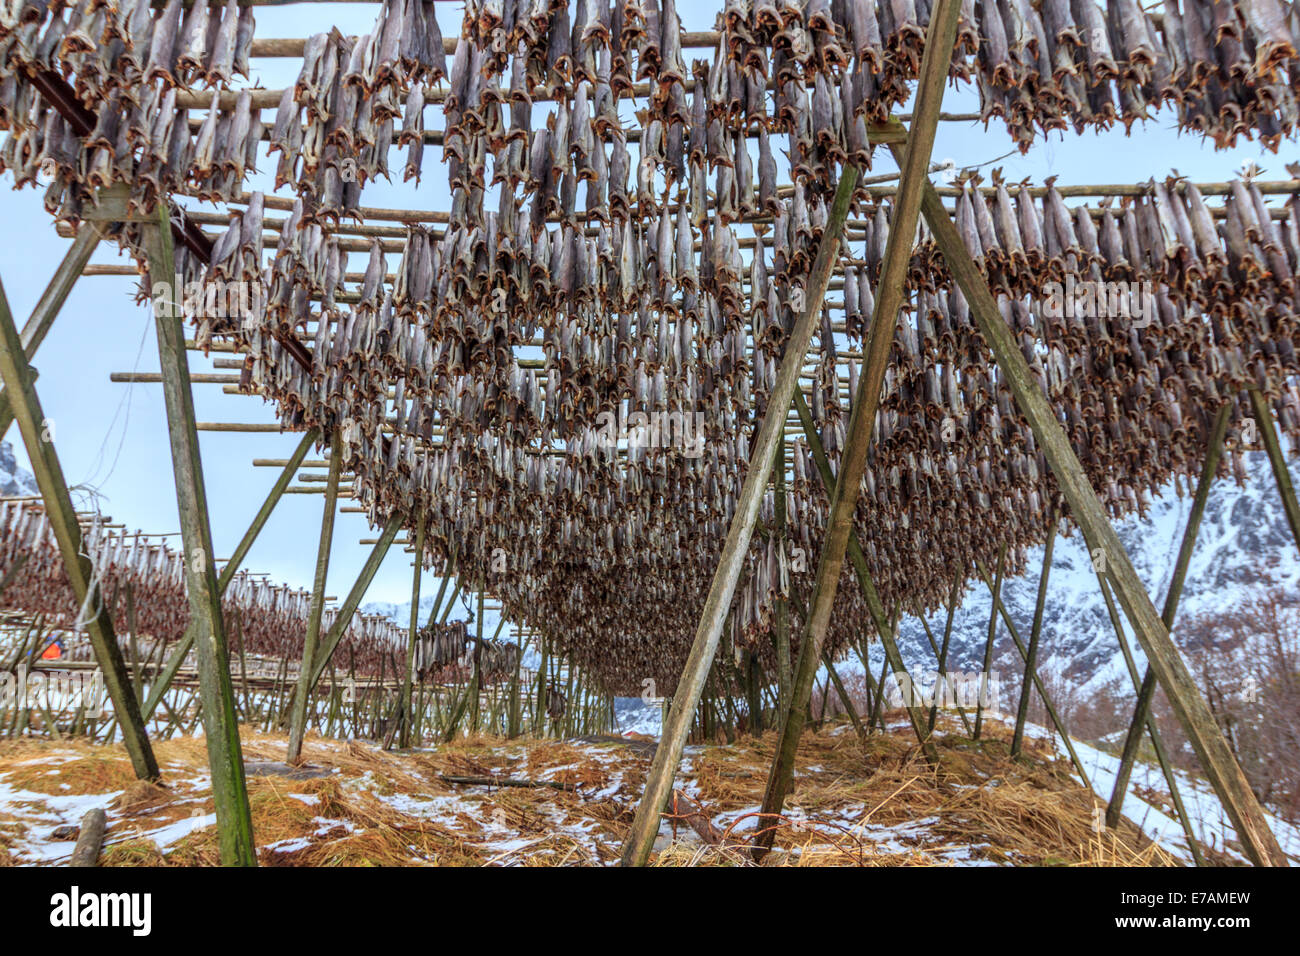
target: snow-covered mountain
1244 544
13 479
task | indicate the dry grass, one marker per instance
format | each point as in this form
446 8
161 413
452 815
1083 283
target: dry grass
863 803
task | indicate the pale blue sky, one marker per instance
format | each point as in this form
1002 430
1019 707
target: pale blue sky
114 436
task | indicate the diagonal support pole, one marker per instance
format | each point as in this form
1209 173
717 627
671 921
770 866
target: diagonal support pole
887 629
1000 608
353 600
1162 757
941 655
16 374
298 715
940 36
220 724
735 549
1285 487
1035 631
1086 509
164 679
404 705
988 645
1147 689
49 304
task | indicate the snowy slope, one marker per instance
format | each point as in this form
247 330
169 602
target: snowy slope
14 480
1244 543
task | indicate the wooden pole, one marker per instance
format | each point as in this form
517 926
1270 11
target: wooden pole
404 713
298 717
90 839
887 629
1161 756
735 550
782 610
32 424
1031 655
1089 514
48 306
940 36
988 645
1147 689
353 600
1001 608
1285 487
220 725
942 657
164 679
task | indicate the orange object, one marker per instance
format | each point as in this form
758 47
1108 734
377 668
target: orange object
53 652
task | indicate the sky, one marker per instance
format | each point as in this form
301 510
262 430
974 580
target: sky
112 438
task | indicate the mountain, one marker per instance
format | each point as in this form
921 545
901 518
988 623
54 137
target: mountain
1244 546
13 479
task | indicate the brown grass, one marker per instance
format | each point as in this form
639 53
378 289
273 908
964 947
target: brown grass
977 802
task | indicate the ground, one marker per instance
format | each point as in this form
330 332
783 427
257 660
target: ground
872 802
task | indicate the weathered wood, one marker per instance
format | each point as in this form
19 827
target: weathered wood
33 426
1035 631
1285 487
1157 744
354 596
941 656
940 36
781 627
48 306
1057 724
735 549
507 782
220 724
1089 514
1146 690
988 645
90 839
404 713
182 649
298 717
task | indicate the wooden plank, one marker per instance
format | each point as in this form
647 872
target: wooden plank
62 515
1035 631
183 647
220 723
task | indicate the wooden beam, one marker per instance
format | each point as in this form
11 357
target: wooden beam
62 514
735 549
298 715
1285 487
1147 689
988 645
353 600
940 36
1089 514
1156 743
1035 631
220 724
404 714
